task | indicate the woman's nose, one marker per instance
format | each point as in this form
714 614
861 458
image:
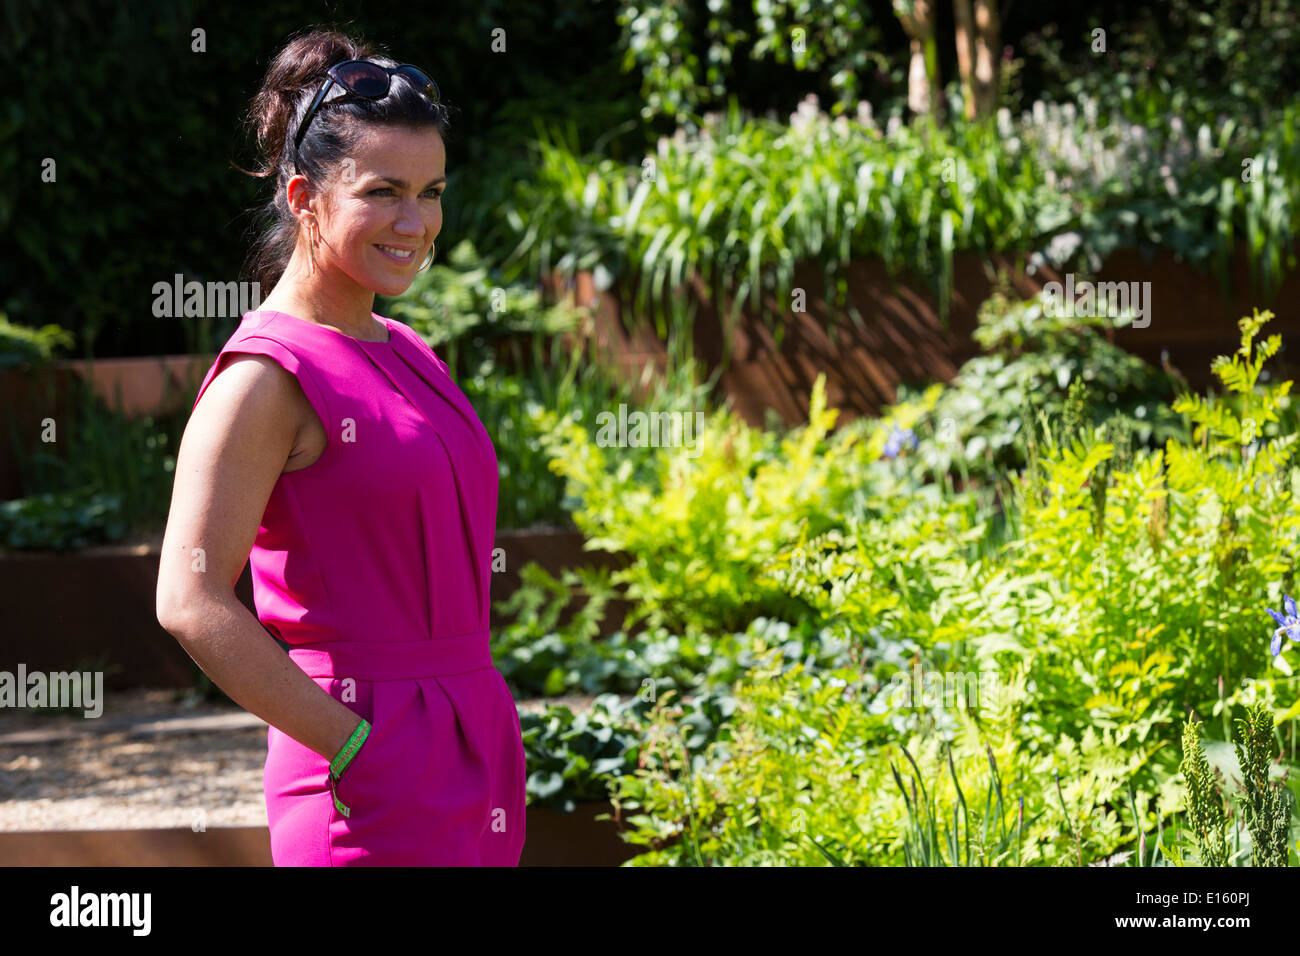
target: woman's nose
409 221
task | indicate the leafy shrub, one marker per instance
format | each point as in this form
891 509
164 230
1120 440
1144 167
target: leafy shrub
539 658
20 345
1118 602
570 757
702 527
741 194
61 521
845 43
1196 56
979 423
801 774
573 757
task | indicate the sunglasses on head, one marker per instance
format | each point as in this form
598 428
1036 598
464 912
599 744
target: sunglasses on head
367 79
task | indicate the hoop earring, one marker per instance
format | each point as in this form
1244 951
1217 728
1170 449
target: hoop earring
428 262
311 251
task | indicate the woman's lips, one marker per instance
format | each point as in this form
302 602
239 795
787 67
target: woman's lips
390 253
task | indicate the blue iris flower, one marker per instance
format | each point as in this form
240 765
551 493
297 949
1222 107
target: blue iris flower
894 443
1289 625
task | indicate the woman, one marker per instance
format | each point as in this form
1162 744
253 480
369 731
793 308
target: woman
329 446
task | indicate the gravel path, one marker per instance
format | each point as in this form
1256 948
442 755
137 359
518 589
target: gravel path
154 759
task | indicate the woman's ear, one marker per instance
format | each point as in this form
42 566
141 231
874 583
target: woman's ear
300 197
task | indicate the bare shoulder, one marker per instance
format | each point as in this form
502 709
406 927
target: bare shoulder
254 398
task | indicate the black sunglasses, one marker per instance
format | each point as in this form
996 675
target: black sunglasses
364 79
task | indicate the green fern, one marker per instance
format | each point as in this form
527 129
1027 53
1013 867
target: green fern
1205 806
1267 805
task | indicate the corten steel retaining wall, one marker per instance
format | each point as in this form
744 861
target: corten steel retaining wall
553 839
902 339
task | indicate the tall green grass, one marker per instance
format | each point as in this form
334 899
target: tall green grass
739 201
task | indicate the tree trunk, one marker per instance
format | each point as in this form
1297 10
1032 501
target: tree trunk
988 46
923 89
965 54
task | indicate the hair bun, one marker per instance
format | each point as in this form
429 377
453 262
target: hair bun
303 64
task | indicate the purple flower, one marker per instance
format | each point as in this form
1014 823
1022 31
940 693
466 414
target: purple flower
894 443
1290 625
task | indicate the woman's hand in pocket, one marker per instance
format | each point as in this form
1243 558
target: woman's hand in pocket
343 768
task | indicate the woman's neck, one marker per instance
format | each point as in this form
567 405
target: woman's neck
316 299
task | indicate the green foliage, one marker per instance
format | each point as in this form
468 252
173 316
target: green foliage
61 521
742 194
572 756
705 523
839 42
520 411
787 772
105 477
1098 616
998 838
539 657
20 345
1151 612
1230 430
1198 56
739 201
99 219
1176 166
801 775
1267 804
1033 360
1206 807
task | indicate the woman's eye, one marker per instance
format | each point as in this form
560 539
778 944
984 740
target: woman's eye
436 194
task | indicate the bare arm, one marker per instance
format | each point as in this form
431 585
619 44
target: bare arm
234 448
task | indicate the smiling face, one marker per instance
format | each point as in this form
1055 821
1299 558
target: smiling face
383 209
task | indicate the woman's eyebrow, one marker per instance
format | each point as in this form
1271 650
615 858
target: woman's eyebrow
401 183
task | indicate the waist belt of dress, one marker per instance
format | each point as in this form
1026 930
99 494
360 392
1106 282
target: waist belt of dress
394 660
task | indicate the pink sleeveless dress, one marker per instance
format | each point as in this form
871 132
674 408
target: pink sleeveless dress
374 564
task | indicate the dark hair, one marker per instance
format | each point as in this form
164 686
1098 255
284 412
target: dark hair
291 83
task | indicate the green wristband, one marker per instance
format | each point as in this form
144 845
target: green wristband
343 758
